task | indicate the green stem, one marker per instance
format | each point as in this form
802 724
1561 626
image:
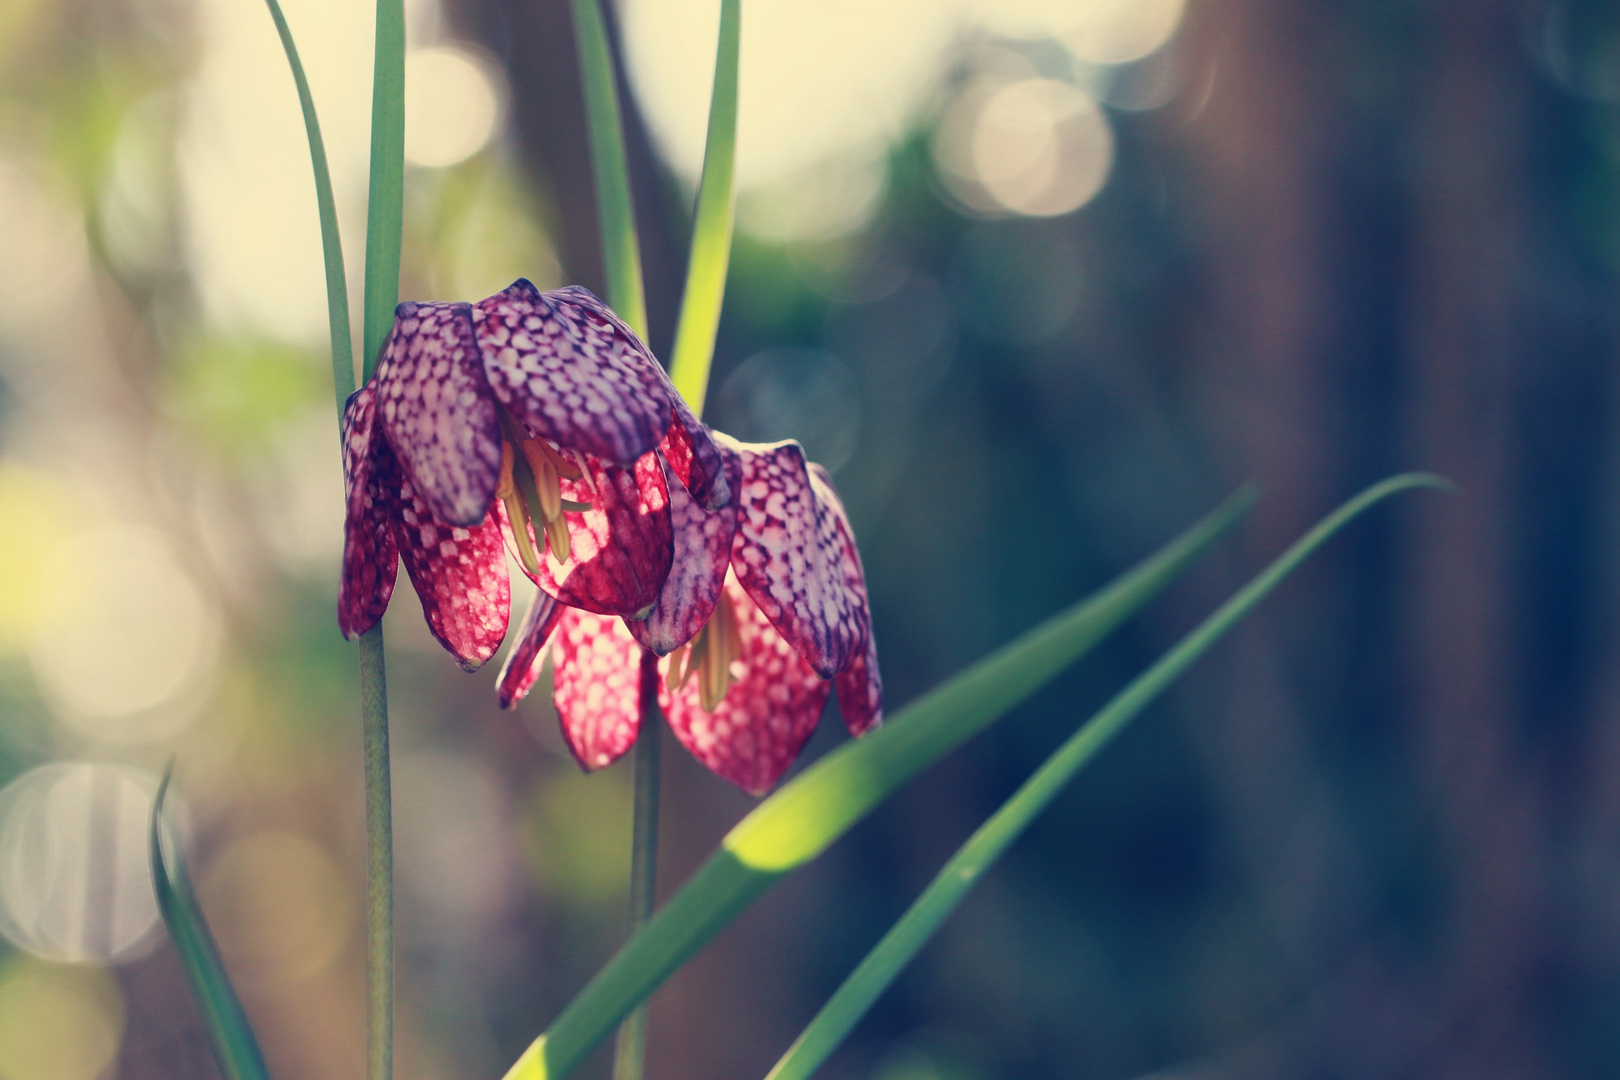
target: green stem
712 225
384 227
621 258
630 1049
379 859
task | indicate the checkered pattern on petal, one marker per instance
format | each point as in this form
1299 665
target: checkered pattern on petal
460 575
370 555
574 374
859 686
597 673
788 554
528 654
766 717
621 548
702 555
438 412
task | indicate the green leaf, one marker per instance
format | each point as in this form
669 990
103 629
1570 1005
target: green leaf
385 207
236 1048
711 228
880 967
621 257
811 811
337 291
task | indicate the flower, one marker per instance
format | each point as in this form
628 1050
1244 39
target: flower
531 416
763 615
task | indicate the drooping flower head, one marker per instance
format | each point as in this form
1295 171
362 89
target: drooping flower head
763 615
530 416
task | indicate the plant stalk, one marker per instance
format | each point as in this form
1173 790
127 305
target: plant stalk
379 859
630 1048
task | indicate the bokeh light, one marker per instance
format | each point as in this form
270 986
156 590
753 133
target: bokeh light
74 879
1097 31
1036 147
451 105
786 392
128 641
57 1022
279 906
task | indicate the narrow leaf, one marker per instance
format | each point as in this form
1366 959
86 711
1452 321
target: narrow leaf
236 1048
621 258
337 291
385 207
797 823
711 227
880 967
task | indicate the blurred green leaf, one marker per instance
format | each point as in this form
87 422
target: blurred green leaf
712 227
815 808
621 256
890 956
235 1046
234 394
337 290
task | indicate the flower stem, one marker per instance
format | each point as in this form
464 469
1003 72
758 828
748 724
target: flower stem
379 859
630 1049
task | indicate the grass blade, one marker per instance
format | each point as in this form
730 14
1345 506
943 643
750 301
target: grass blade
385 204
236 1048
811 811
337 289
712 225
897 948
621 257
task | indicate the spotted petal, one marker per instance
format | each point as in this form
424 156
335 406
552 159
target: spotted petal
460 576
570 373
598 683
702 556
788 554
859 686
621 547
528 653
370 555
762 723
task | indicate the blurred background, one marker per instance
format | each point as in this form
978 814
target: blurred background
1040 281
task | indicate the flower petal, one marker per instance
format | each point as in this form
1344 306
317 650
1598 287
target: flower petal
597 666
460 575
370 555
767 716
691 447
561 363
859 686
528 654
438 412
788 554
621 547
702 556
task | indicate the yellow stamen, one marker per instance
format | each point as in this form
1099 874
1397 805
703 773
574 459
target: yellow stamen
557 533
724 647
534 449
516 512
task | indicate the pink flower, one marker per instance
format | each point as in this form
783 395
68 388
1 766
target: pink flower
763 615
528 416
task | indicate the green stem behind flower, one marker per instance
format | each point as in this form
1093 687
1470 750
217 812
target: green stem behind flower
712 225
621 256
630 1050
384 228
880 967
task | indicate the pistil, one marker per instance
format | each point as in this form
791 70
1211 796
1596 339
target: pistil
517 514
537 477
